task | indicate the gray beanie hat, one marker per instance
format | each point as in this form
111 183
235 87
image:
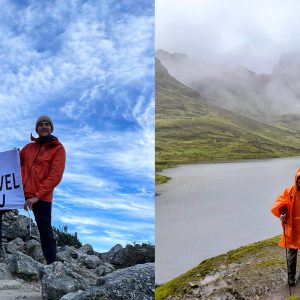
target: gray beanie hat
44 118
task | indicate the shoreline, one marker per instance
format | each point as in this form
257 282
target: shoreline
206 162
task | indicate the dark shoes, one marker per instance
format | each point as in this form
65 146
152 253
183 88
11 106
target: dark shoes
292 282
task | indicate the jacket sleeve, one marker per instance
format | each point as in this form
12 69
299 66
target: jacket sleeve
282 203
22 153
55 174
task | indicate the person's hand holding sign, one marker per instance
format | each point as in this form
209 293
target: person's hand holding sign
29 202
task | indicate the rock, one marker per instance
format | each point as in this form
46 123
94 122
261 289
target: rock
10 285
92 294
59 279
107 256
132 255
134 283
33 249
92 262
22 266
31 244
4 272
86 249
64 256
15 245
71 251
104 269
76 274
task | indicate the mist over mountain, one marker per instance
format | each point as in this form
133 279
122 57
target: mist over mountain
267 97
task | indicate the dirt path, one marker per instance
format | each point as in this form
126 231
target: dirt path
19 289
284 293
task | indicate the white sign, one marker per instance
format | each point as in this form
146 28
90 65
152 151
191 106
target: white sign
11 188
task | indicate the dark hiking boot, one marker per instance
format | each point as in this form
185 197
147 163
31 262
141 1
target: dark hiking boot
292 282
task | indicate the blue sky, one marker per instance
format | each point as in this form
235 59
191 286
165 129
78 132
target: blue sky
90 66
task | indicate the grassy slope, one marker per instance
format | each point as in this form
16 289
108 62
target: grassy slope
190 130
260 259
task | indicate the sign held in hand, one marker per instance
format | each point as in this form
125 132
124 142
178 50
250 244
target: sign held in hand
11 189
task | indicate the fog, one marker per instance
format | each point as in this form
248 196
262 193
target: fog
250 33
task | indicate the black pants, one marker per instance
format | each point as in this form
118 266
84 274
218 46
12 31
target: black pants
292 263
42 215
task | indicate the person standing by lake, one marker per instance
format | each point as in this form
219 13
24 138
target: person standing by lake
42 166
287 208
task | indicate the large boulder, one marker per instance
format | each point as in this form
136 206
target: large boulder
104 269
133 254
16 244
134 283
59 279
86 249
108 256
92 262
22 266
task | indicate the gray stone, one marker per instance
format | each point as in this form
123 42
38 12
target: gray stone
134 283
92 294
92 262
22 266
104 269
63 256
58 279
4 272
31 244
10 285
16 244
73 296
86 249
70 250
23 224
133 254
108 256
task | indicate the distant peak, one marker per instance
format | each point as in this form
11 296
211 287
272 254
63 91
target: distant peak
162 54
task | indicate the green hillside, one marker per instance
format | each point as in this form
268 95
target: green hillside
188 129
258 269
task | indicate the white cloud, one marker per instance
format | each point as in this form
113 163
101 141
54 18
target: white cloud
86 64
107 223
251 33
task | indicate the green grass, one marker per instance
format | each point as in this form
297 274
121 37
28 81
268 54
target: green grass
159 179
262 252
189 130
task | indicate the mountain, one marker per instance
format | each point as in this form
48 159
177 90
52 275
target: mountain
190 129
260 97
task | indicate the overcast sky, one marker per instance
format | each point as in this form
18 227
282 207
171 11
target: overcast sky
89 64
252 33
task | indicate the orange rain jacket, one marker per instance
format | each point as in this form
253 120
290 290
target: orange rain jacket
42 167
289 201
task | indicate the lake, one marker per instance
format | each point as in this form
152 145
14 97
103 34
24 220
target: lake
209 209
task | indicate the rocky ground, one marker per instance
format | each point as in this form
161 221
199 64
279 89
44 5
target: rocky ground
256 271
121 273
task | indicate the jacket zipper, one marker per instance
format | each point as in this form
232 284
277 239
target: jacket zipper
24 185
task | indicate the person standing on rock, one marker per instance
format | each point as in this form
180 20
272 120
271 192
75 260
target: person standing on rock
287 208
42 167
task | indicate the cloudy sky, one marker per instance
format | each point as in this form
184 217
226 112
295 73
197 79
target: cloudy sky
251 33
89 64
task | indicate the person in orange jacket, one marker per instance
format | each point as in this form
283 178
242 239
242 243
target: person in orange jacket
42 167
287 208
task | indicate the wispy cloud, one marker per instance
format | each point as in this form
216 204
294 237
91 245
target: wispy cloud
89 65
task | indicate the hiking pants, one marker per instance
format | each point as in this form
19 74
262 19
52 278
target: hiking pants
42 215
292 262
